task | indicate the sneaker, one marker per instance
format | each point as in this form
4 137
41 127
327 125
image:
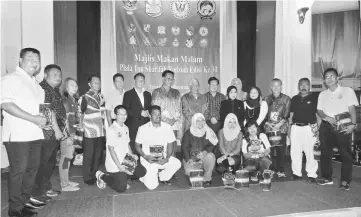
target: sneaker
73 184
296 177
207 183
345 186
69 188
325 182
281 174
311 180
37 201
52 193
100 183
254 179
30 205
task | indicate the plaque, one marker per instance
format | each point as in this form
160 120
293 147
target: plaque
242 179
45 110
343 120
229 180
266 182
130 162
157 151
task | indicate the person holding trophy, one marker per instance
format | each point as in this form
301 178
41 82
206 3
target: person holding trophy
197 146
336 107
154 143
120 161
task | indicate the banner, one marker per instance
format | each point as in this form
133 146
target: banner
182 36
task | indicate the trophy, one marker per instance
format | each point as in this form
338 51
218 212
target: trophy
229 179
274 138
157 151
242 179
196 175
194 155
45 110
343 120
130 162
266 182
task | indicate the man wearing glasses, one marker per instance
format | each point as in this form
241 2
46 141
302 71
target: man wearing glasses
333 101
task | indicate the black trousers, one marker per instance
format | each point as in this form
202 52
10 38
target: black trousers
278 154
118 181
328 138
49 149
92 155
224 165
24 160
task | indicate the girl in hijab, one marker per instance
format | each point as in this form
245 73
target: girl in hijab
232 105
254 107
197 146
230 144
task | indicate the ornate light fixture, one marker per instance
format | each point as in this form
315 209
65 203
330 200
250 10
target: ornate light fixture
302 14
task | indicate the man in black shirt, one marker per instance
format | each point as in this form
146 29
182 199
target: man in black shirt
303 117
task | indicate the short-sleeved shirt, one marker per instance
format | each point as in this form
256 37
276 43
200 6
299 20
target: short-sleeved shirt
256 146
113 99
117 137
304 109
148 135
25 92
336 102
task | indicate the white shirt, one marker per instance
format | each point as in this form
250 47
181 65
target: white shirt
113 99
262 138
149 135
336 102
117 137
24 91
141 96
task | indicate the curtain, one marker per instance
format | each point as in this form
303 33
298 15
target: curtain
336 43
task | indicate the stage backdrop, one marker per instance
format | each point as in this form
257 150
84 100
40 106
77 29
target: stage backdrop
182 36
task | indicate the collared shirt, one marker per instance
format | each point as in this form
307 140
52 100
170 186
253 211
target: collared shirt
141 96
117 137
278 108
53 96
191 106
113 99
170 103
214 105
25 92
148 135
93 121
336 102
304 109
73 112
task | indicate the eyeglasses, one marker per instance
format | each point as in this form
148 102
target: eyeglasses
330 77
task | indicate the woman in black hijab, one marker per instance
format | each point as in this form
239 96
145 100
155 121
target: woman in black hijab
232 105
255 108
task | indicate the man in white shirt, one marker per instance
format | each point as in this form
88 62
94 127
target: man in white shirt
22 130
115 97
117 149
154 143
335 100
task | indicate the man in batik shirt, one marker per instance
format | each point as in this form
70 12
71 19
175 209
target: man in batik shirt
213 99
276 126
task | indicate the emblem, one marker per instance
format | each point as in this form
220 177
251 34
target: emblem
146 27
175 30
153 8
203 42
189 43
175 42
161 30
130 5
180 8
146 41
162 41
190 30
132 40
206 9
203 31
131 28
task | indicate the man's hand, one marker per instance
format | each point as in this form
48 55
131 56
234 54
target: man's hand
330 120
58 134
39 120
350 129
102 100
122 169
214 120
162 161
150 159
145 114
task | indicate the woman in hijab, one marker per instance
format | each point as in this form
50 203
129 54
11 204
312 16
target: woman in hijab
230 145
254 107
232 105
197 146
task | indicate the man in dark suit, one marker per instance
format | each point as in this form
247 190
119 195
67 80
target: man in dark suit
137 101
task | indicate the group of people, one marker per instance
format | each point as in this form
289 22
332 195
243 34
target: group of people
222 132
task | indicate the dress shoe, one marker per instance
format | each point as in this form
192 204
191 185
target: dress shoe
30 205
15 214
312 180
36 201
295 177
52 193
28 212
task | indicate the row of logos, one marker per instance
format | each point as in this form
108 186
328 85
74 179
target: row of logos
180 9
203 43
161 30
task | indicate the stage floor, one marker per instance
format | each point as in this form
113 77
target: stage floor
285 197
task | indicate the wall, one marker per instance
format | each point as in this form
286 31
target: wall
265 44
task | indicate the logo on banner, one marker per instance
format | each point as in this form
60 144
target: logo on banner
161 30
146 27
203 31
190 30
203 43
206 9
189 43
175 42
175 30
132 40
162 41
153 8
180 8
131 28
130 5
146 41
